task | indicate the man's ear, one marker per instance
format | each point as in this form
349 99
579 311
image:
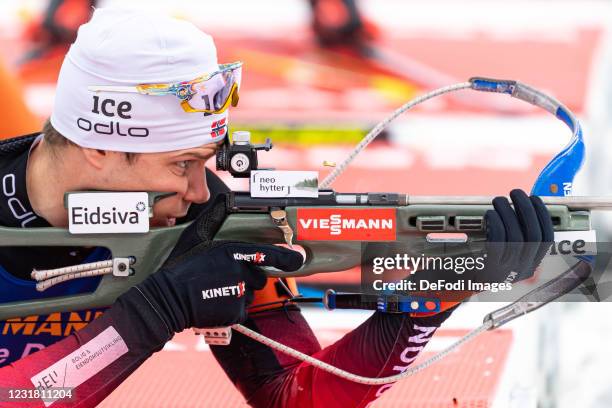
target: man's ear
97 158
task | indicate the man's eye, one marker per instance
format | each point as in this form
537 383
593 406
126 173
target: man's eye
183 164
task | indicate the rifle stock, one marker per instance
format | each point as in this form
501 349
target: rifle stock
248 219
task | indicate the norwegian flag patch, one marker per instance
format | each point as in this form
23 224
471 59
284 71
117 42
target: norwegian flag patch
218 128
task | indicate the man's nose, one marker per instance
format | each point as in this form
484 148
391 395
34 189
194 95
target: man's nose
197 189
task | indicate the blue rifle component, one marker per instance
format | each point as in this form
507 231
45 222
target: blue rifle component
388 303
556 179
408 304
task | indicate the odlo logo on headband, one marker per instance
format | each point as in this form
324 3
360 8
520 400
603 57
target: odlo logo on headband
109 108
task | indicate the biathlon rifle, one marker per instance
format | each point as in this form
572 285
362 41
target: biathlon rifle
415 220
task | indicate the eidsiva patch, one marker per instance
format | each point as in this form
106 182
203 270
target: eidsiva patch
346 224
104 212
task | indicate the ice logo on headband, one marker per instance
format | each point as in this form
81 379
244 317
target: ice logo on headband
109 108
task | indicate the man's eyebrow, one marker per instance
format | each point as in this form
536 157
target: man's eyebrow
196 154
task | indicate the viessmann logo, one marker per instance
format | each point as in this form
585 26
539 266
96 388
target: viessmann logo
352 224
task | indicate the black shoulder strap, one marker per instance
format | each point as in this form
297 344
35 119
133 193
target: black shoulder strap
17 145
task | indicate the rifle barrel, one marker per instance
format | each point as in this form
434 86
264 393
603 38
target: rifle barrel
572 202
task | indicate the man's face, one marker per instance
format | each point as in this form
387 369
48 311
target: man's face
181 172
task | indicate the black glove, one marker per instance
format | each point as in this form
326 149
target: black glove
517 239
206 283
212 285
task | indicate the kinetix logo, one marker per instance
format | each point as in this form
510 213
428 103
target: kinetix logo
257 257
234 290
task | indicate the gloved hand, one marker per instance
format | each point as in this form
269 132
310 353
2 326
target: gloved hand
206 283
518 238
212 286
517 241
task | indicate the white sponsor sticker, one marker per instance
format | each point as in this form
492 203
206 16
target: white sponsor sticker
82 364
575 243
273 183
105 213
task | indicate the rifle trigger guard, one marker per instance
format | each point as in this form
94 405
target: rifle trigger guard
279 217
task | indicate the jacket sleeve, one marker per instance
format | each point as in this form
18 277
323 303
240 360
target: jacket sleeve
90 363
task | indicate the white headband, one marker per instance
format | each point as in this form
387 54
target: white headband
127 47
